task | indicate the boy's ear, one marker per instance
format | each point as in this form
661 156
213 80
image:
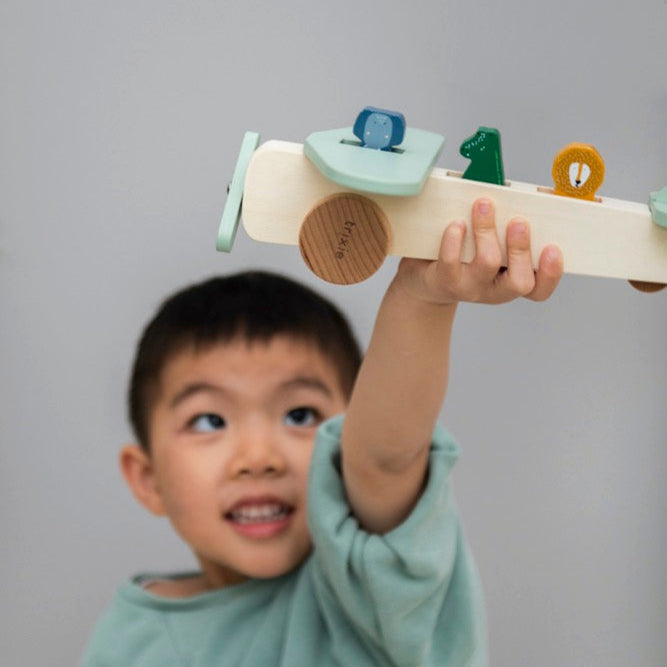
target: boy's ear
139 473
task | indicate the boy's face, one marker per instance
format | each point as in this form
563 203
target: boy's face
231 438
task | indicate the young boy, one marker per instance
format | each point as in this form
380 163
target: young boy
320 541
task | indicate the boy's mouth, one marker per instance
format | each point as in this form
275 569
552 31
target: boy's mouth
260 518
259 513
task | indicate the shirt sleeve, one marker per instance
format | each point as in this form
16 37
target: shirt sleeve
412 593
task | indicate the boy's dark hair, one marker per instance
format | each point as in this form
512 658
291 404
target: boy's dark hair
254 306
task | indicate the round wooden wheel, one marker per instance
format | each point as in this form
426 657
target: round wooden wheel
345 238
647 287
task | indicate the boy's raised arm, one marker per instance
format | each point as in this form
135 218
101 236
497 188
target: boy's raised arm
403 379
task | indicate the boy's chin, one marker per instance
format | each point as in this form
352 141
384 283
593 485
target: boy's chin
270 567
274 569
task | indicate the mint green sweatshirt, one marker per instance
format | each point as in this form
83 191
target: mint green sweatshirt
408 598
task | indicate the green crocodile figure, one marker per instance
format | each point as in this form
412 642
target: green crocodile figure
485 153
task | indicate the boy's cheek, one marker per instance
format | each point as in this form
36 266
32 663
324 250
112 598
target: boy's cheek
303 463
184 511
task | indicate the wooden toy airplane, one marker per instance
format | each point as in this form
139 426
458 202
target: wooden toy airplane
351 196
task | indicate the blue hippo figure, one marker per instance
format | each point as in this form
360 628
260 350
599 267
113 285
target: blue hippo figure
379 128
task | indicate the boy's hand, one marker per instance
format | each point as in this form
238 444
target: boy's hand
483 280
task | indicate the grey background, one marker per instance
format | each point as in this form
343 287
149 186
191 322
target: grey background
119 128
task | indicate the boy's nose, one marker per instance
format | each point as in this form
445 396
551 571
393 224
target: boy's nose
257 454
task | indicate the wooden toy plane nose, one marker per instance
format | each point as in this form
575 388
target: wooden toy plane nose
231 214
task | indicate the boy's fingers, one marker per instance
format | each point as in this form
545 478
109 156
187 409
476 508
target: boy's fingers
488 255
445 274
548 274
451 250
519 278
482 279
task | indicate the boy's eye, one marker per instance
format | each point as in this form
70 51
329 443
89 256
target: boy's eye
302 417
206 423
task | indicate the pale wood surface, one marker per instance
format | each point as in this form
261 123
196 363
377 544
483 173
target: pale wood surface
609 238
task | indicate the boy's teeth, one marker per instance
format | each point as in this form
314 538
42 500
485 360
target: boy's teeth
259 513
